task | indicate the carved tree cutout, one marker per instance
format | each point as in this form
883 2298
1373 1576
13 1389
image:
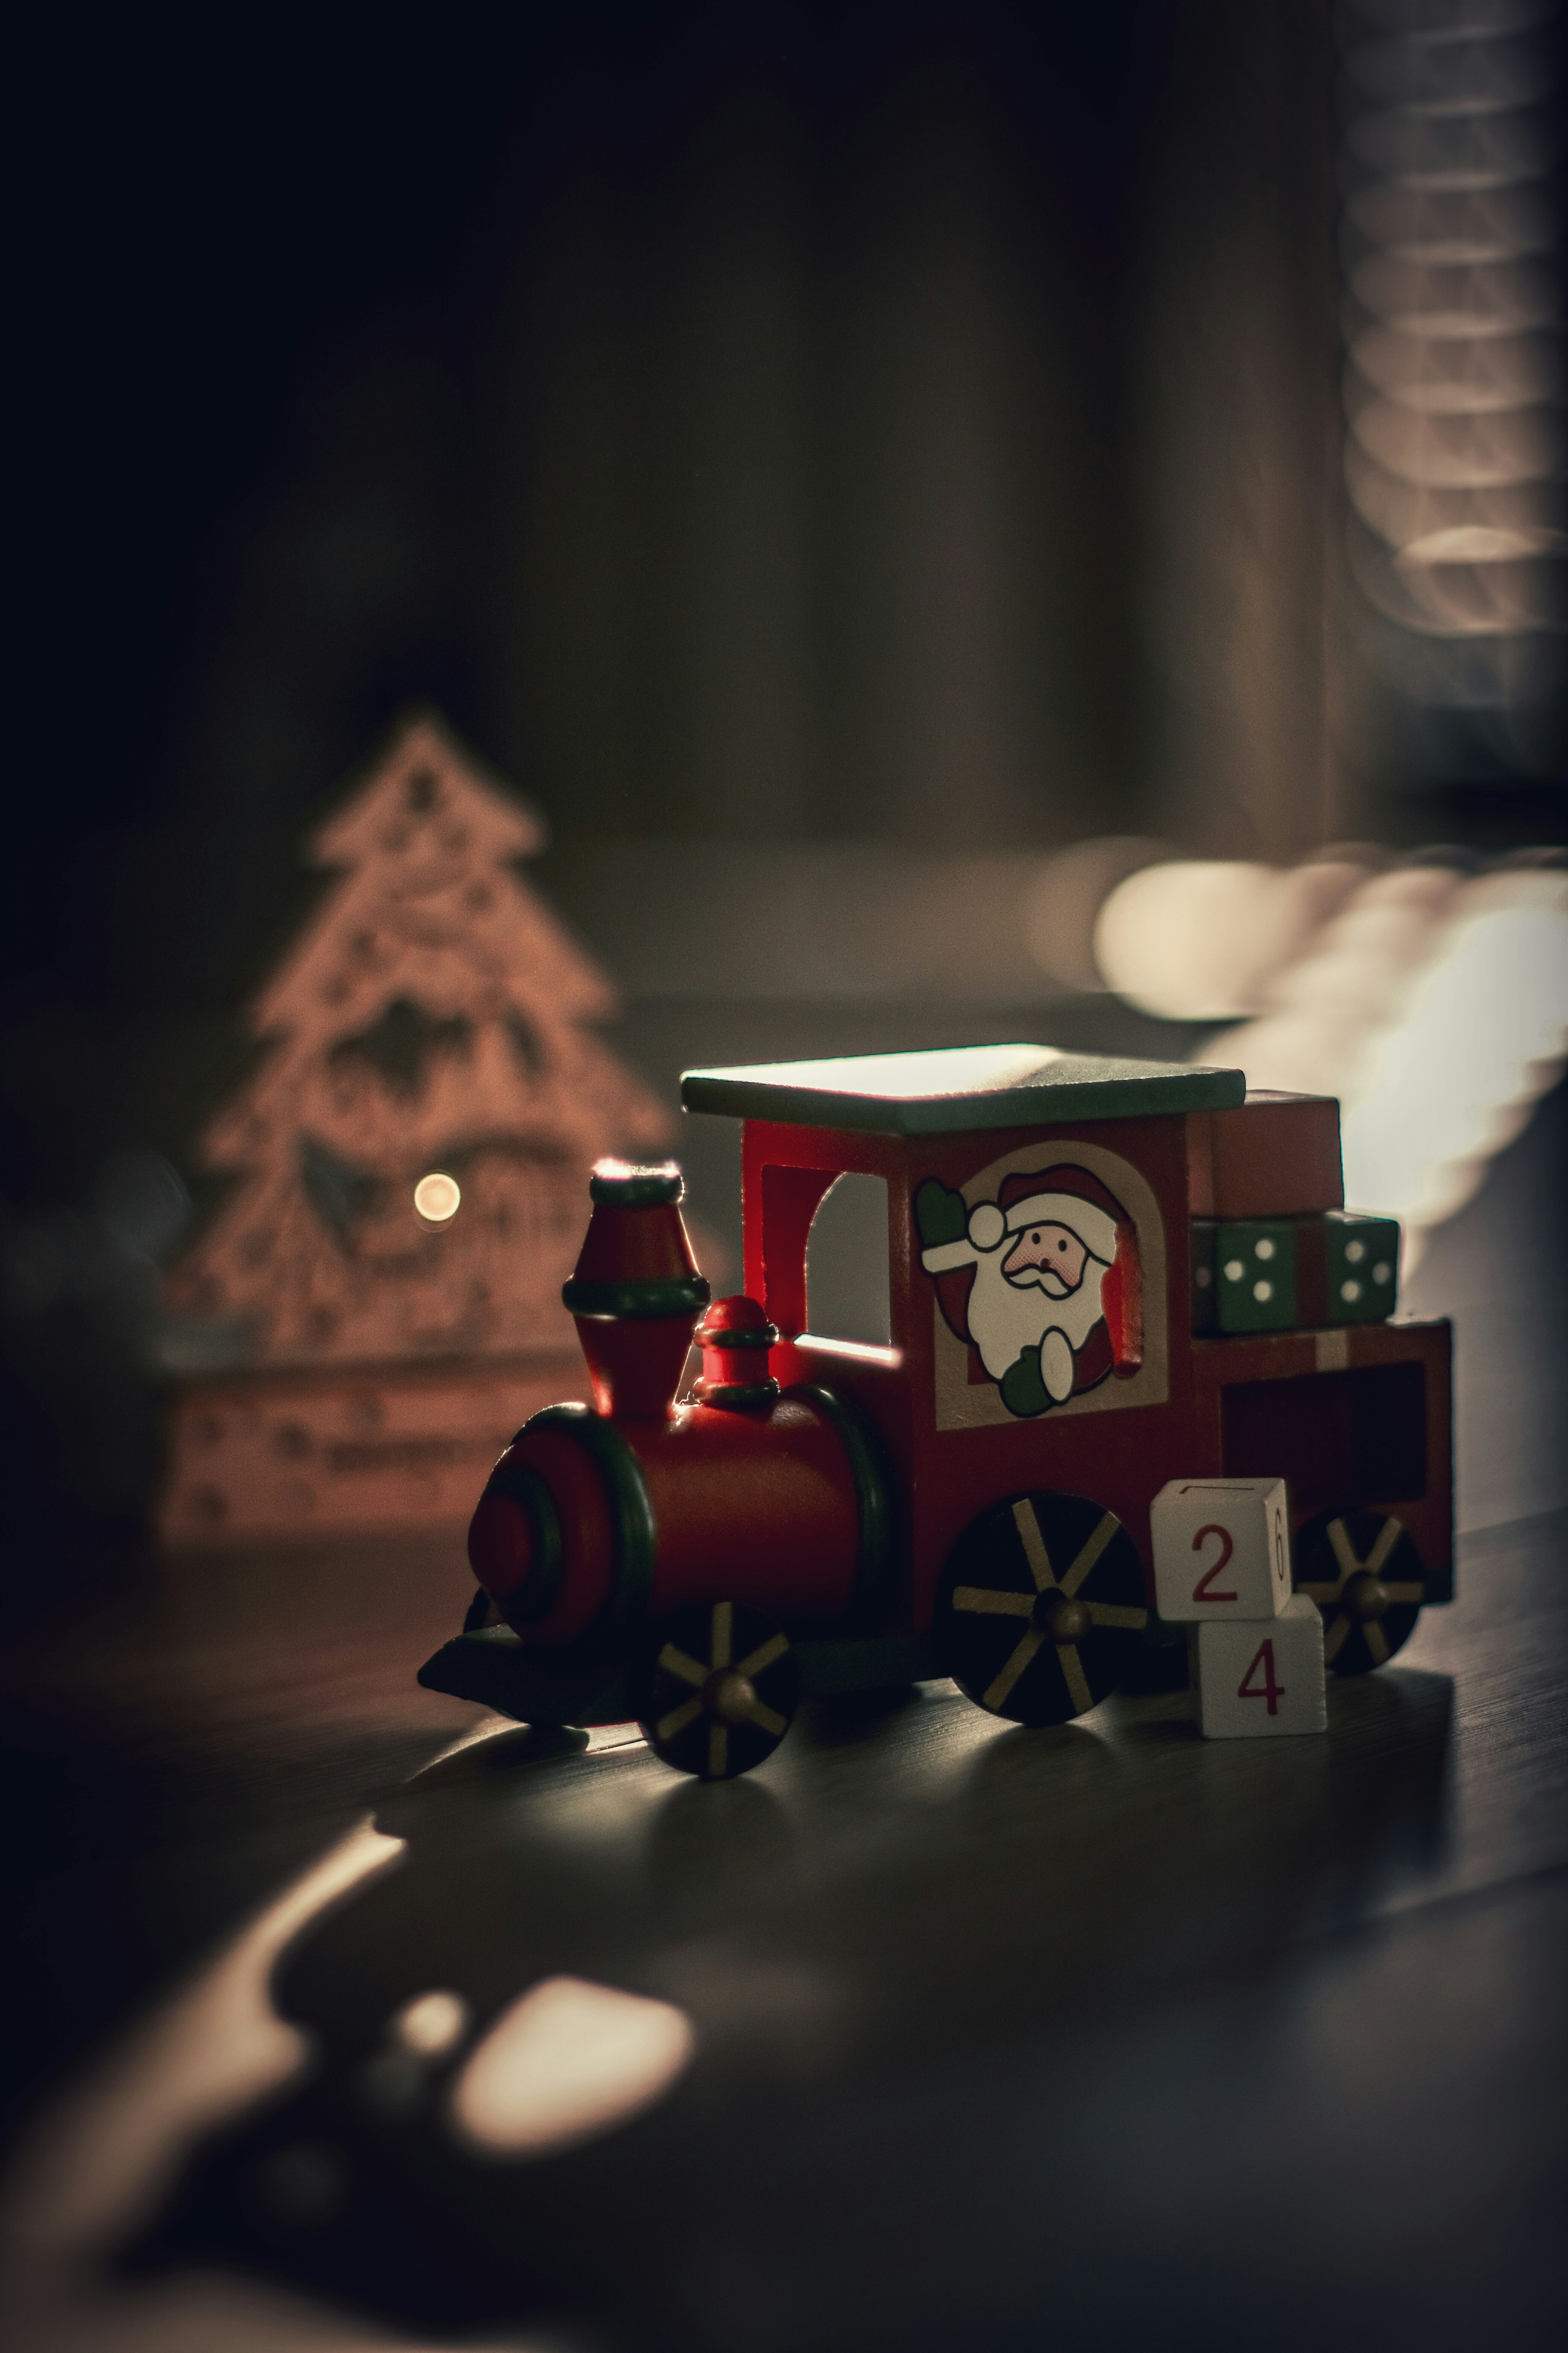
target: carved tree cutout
432 1015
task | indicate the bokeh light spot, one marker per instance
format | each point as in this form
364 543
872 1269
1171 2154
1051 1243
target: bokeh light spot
438 1197
566 2061
431 2023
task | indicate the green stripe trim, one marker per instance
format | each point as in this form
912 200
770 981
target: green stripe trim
736 1396
637 1302
862 1442
541 1589
634 1531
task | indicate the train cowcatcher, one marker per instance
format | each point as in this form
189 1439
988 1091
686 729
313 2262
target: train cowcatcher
1103 1275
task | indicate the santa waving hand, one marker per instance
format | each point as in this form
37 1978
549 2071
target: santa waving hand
1042 1281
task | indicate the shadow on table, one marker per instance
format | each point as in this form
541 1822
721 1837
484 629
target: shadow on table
873 1946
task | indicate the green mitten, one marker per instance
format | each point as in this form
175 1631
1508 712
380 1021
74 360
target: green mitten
1023 1390
940 1215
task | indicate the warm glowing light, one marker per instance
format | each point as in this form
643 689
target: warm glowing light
1453 322
1481 1039
438 1197
568 2059
431 2023
1196 940
1437 1010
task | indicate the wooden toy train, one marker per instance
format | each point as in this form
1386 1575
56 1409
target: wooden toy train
1103 1275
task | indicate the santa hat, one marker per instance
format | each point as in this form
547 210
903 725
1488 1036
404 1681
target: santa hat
1064 1197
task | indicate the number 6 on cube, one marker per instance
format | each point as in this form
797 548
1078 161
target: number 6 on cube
1222 1549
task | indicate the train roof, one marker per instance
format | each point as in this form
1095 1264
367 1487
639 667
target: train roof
953 1088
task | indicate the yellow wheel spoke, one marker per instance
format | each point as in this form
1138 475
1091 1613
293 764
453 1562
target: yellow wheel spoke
1023 1652
678 1719
1111 1613
676 1662
1343 1551
1083 1698
989 1603
1325 1596
696 1730
1090 1553
1034 1544
1334 1639
724 1621
1411 1592
762 1656
1376 1642
1388 1536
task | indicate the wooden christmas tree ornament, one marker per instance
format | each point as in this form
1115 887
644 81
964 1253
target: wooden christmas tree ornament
409 1160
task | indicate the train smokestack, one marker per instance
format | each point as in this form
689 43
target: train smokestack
636 1293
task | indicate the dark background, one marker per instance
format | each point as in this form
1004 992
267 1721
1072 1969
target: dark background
911 425
917 426
669 394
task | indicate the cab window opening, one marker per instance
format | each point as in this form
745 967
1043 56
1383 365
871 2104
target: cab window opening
846 1279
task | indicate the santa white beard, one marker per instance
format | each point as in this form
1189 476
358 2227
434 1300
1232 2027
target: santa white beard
1004 1320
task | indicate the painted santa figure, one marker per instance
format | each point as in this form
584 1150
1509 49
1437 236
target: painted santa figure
1041 1281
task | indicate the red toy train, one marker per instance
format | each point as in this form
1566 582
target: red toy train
1103 1275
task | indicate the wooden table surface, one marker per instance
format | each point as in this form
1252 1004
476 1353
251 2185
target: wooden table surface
1091 2037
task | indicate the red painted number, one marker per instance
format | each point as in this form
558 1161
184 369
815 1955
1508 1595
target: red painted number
1203 1589
1268 1689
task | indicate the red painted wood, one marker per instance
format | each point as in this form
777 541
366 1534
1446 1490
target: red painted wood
586 1532
639 1245
1277 1155
755 1508
741 1365
634 1362
760 1506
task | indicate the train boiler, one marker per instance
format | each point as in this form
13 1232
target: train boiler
1103 1276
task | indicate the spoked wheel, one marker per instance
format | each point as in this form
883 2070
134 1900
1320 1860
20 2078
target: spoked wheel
1040 1608
718 1690
1363 1571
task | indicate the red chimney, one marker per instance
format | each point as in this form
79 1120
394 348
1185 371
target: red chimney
635 1295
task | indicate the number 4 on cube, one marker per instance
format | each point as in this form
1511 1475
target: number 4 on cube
1254 1680
1222 1549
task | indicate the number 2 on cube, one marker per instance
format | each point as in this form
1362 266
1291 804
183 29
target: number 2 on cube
1268 1689
1203 1590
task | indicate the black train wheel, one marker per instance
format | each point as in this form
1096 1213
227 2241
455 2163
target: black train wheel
717 1689
1363 1571
1040 1606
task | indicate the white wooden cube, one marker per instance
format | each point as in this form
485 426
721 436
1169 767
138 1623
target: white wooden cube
1222 1549
1255 1680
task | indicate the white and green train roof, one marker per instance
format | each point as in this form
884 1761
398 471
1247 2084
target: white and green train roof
949 1089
